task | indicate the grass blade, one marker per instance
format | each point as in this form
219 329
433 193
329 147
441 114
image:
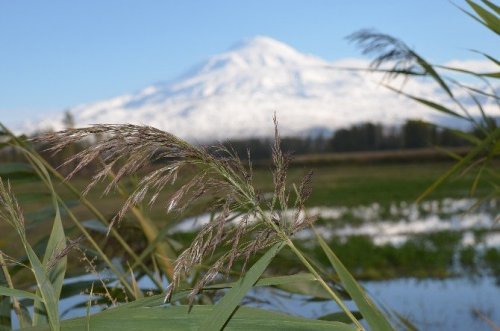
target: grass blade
180 318
45 286
13 215
433 73
12 292
475 17
34 157
373 316
494 74
53 266
271 281
489 19
340 317
22 314
492 6
279 281
5 310
431 104
227 305
457 166
491 58
89 305
53 262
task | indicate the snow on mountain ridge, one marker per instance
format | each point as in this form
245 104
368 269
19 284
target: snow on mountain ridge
235 93
260 51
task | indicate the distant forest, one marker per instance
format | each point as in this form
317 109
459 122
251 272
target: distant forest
357 138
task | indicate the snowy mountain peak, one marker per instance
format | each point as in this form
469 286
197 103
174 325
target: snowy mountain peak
265 46
258 52
234 94
260 42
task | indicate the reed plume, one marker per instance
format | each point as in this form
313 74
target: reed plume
220 174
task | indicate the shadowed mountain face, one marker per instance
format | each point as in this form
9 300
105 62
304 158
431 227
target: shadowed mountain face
234 95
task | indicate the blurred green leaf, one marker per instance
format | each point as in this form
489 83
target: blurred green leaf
47 213
5 309
45 286
492 6
10 292
462 163
181 318
183 293
431 104
228 304
53 261
491 58
340 317
271 281
17 171
495 74
12 168
32 197
309 288
373 316
476 7
467 136
409 326
433 73
489 19
49 278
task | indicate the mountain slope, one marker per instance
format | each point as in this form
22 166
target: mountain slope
234 94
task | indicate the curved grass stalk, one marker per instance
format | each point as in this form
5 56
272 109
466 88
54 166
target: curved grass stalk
86 203
108 262
327 288
23 321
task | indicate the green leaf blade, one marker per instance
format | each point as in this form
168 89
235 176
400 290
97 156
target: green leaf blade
11 292
228 304
180 318
373 316
489 19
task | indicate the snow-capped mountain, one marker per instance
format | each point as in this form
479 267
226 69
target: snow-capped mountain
235 93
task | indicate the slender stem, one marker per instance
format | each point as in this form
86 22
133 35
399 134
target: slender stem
308 265
97 248
89 205
84 231
47 182
101 217
324 284
15 302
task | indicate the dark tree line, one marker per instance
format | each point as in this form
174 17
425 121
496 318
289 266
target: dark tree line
360 137
412 134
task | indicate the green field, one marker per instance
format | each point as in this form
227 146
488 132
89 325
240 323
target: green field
346 185
333 185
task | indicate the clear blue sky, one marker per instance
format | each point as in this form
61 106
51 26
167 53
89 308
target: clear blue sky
58 54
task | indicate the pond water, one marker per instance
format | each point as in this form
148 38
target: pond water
397 222
440 305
